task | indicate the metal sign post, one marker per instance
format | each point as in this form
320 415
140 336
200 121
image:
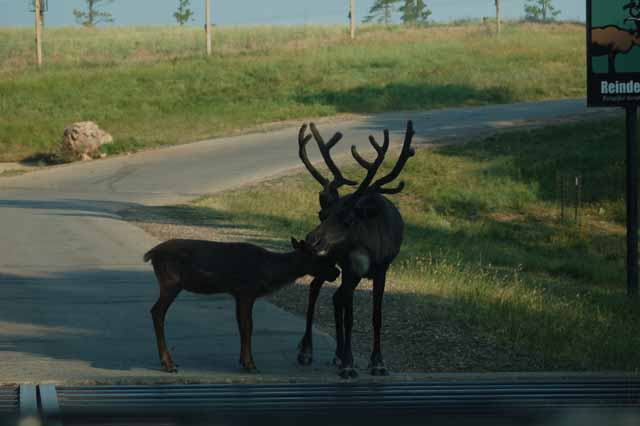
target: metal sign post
632 200
613 80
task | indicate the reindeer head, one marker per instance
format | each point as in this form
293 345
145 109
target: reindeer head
356 223
313 264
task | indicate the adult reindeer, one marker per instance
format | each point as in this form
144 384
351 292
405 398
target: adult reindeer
363 232
612 41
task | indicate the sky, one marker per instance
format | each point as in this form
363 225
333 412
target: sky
259 12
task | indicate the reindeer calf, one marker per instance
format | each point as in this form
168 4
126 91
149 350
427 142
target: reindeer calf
243 270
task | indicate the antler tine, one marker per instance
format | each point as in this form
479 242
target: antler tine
372 168
381 150
398 189
375 144
325 149
406 153
302 142
356 155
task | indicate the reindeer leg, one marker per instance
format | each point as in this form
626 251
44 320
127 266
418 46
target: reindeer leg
348 370
344 298
244 315
167 295
377 364
338 315
305 347
612 64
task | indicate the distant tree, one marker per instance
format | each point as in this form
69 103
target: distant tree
415 12
93 14
381 11
184 13
540 11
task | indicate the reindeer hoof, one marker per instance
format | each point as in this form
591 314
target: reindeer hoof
379 370
348 373
169 367
248 366
304 358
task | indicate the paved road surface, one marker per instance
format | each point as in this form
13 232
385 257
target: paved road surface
75 295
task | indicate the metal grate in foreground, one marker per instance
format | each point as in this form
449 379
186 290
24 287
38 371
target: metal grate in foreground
475 396
9 402
17 401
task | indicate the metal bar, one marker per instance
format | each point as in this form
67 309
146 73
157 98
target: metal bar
633 381
562 392
579 183
576 182
287 399
353 395
558 191
49 407
28 400
632 200
351 398
65 398
186 391
562 186
9 401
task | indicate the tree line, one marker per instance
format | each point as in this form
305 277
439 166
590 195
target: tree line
412 12
94 13
417 12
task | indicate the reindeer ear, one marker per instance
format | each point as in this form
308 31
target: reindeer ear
368 207
297 245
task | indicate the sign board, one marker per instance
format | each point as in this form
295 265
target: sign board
613 52
613 79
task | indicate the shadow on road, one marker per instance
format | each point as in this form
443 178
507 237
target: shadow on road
95 324
402 96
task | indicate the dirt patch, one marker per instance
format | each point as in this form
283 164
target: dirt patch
417 335
506 217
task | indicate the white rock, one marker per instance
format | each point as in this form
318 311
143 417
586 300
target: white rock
81 140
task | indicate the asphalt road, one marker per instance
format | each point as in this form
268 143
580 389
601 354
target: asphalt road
75 294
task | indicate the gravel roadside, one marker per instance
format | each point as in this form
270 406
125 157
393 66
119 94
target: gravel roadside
418 334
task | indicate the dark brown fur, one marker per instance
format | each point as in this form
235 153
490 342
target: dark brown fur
208 267
363 233
611 41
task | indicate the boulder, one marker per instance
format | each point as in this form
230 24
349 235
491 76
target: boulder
83 139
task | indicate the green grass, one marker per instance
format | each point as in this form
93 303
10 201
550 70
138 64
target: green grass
484 241
151 86
12 172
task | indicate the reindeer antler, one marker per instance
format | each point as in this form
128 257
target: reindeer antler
372 168
406 153
302 152
325 150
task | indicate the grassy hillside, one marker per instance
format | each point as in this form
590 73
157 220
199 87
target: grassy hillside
486 257
152 86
